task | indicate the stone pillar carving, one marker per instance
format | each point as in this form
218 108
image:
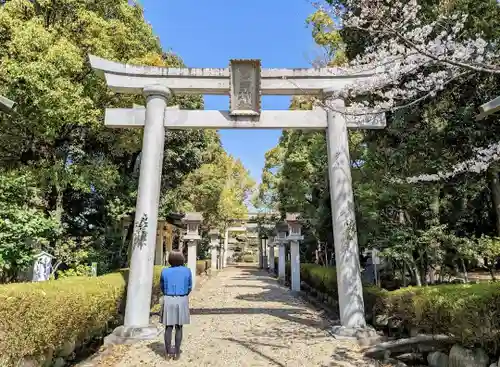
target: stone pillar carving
192 221
344 222
140 282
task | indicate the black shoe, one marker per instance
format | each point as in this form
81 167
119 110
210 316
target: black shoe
169 353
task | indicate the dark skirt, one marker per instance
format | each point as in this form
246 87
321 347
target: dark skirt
175 311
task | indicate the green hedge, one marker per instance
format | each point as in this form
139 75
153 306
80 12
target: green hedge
471 313
39 318
324 279
202 266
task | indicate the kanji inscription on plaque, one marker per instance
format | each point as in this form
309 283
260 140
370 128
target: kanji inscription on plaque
245 87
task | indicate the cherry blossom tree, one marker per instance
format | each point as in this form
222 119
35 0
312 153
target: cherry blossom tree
411 57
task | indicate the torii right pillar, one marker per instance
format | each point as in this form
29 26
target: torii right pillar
350 290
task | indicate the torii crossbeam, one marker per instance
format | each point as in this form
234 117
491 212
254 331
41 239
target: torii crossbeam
244 81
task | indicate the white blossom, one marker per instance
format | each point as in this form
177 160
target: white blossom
410 61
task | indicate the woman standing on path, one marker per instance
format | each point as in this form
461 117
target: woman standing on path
176 284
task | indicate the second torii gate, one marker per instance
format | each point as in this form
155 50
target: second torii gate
245 82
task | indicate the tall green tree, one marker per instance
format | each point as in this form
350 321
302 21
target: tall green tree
84 174
421 224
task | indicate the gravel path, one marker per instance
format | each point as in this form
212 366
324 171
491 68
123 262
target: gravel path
242 317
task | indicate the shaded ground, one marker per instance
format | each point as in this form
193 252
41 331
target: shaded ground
242 317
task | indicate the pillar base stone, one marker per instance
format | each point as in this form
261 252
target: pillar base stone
364 336
131 334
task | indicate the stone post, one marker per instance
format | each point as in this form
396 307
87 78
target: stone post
281 261
214 247
271 255
281 231
193 221
191 259
224 250
295 266
294 236
261 263
344 222
159 246
265 260
140 281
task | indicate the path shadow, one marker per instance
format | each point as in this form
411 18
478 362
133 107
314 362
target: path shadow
270 286
158 348
294 317
250 347
343 355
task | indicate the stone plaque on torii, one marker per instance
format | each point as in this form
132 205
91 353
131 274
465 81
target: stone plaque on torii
244 81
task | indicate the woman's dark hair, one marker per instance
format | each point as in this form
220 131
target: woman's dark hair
175 258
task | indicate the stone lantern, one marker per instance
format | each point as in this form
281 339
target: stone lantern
281 239
294 227
192 236
294 236
213 234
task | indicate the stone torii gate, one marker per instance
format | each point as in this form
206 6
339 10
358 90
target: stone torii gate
245 82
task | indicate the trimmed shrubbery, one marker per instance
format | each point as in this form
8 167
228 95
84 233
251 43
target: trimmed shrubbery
202 266
469 312
37 319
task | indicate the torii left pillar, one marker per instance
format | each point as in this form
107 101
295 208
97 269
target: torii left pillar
140 280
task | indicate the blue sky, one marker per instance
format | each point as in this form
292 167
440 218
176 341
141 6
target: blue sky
207 33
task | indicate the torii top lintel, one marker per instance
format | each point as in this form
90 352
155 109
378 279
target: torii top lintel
131 79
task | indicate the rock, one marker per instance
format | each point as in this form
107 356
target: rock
438 359
67 348
420 343
394 323
59 362
29 362
46 360
462 357
414 332
411 358
493 365
395 363
381 320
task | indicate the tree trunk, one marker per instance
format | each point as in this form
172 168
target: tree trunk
423 269
405 284
495 193
418 279
415 274
492 273
464 271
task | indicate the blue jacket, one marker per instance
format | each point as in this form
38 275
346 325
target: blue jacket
176 281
